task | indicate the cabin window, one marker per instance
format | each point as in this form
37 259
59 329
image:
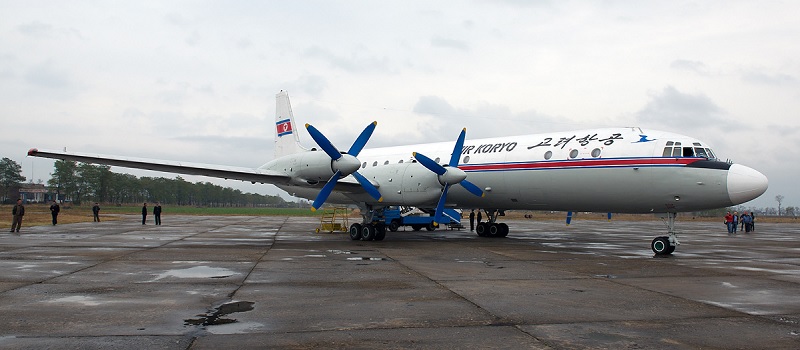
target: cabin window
465 160
688 152
676 152
573 153
548 155
400 162
364 165
437 160
667 151
375 163
386 163
669 143
596 152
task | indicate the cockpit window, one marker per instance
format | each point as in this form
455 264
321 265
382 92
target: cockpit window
674 149
700 152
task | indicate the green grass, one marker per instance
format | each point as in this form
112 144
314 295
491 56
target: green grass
188 210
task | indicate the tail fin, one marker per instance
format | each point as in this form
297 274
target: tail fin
286 139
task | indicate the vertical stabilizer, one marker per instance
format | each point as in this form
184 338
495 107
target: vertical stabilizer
286 139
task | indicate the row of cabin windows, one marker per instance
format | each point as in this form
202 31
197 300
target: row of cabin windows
547 155
674 149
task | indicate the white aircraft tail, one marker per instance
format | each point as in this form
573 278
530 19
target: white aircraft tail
286 139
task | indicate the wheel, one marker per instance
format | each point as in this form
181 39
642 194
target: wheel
368 232
481 229
430 227
661 246
503 230
416 227
355 232
380 232
394 225
494 230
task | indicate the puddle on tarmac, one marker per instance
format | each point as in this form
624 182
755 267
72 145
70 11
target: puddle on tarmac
197 272
216 316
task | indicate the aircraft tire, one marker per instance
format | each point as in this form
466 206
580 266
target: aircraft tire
503 230
394 225
494 230
481 229
368 233
355 232
430 227
380 232
661 246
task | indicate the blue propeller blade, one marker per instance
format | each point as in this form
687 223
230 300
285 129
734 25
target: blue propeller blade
429 163
326 191
362 139
440 206
569 217
469 186
368 186
323 142
456 155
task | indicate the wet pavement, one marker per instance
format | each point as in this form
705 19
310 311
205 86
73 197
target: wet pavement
261 282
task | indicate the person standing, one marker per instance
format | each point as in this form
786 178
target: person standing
729 222
54 209
157 213
735 222
96 212
752 221
17 213
480 217
144 214
472 220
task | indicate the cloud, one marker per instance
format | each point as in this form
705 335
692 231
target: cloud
355 64
779 79
36 29
444 43
45 75
676 109
691 66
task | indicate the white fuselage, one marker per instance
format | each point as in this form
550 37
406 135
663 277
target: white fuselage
606 170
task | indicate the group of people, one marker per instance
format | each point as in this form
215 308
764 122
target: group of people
156 213
747 221
18 212
472 219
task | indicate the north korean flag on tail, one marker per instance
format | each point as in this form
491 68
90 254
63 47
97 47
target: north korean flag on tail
284 127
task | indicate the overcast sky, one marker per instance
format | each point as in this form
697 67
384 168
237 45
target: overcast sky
196 80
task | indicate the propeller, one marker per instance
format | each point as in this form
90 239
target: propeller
343 164
449 175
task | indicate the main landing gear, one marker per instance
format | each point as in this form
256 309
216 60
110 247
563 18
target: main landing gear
492 228
665 245
367 230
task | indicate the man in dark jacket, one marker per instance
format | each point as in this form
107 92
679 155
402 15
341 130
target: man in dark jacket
144 214
54 209
157 213
96 212
17 212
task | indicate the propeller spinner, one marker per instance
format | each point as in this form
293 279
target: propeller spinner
343 164
449 175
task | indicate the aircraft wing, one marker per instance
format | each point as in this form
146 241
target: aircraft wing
226 172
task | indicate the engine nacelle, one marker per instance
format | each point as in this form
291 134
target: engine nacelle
405 184
307 168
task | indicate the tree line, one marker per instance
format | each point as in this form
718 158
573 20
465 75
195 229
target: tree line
82 182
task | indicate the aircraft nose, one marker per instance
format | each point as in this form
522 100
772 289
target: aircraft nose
745 184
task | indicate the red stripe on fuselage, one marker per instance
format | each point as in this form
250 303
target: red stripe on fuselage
582 163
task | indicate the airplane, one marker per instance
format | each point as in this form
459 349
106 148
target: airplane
621 170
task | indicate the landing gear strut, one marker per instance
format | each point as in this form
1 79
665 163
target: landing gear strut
492 228
665 245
